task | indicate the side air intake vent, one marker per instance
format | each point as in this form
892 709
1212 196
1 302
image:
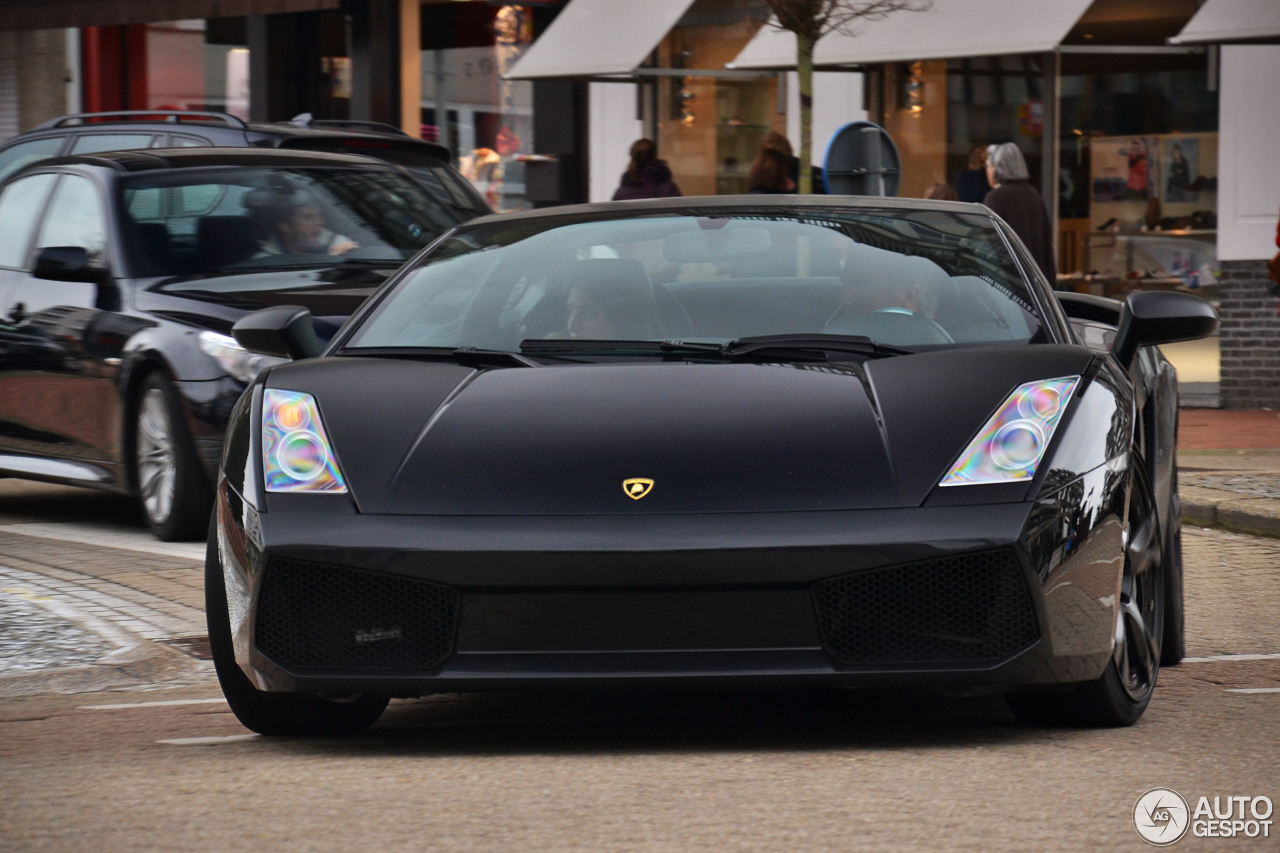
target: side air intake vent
966 610
314 616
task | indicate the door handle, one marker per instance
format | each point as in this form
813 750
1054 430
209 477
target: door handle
18 313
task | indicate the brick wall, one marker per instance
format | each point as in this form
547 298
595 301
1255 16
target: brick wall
1250 338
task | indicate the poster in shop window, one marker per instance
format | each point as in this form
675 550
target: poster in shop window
1166 180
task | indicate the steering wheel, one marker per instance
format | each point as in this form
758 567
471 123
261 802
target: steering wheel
890 326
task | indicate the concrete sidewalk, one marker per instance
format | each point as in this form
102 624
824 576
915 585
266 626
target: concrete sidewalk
1229 469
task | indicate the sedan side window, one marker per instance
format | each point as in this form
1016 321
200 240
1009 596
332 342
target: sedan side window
19 207
94 142
15 157
75 218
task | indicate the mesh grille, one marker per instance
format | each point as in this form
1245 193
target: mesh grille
316 616
967 609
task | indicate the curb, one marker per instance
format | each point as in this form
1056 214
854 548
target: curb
1205 507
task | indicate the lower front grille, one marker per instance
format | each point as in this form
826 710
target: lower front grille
965 610
315 616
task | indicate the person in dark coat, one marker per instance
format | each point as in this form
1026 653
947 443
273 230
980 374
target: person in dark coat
1019 204
770 173
777 142
972 184
646 176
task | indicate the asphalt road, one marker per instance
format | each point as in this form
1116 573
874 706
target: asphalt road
148 757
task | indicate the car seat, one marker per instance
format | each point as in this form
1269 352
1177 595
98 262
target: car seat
227 240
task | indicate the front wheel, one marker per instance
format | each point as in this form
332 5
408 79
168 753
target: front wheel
272 713
173 489
1123 692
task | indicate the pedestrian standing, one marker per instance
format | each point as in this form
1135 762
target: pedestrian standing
777 142
972 184
942 192
770 173
1019 204
646 175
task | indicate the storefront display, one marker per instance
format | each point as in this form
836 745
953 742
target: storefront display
1153 214
467 103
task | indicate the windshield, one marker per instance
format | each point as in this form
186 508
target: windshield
920 279
228 220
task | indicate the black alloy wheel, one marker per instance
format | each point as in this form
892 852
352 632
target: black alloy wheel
1123 692
272 713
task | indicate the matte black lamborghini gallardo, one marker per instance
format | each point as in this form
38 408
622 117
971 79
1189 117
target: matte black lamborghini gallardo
818 441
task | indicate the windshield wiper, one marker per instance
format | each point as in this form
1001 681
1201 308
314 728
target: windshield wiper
858 344
794 347
465 356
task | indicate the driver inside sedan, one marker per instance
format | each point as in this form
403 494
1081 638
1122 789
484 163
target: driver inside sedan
298 227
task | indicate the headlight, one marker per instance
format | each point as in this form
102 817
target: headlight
296 454
1012 443
235 359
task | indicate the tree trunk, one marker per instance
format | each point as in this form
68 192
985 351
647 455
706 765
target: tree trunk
804 70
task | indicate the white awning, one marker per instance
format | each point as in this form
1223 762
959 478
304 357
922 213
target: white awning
951 29
1232 21
598 38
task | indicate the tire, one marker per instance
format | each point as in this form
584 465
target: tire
1122 694
272 713
172 487
1174 646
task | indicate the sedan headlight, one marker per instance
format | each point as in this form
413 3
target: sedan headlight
296 454
1011 444
235 359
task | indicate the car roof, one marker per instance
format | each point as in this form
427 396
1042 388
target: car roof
217 124
733 204
154 159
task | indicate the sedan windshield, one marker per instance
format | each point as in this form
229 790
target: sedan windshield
904 279
229 220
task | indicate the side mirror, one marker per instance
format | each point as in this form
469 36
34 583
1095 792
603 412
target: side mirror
67 263
1161 317
285 331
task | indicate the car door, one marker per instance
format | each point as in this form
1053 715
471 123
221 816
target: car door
59 399
21 203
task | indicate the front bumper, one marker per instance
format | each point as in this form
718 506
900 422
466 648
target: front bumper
336 602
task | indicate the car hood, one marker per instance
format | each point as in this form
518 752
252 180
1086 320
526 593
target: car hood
331 293
430 438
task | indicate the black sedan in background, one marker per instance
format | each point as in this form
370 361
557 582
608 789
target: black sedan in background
731 441
121 275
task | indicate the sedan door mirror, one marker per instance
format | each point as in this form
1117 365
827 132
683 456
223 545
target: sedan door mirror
1161 317
67 263
285 331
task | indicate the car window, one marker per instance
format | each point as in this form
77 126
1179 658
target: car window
181 206
239 219
19 211
422 162
90 143
75 218
176 141
20 154
918 279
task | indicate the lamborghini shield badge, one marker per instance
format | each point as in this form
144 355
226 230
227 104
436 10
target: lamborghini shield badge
637 487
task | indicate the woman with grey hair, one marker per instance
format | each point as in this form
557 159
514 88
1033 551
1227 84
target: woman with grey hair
1017 202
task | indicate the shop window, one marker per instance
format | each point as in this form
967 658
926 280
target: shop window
710 129
467 106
